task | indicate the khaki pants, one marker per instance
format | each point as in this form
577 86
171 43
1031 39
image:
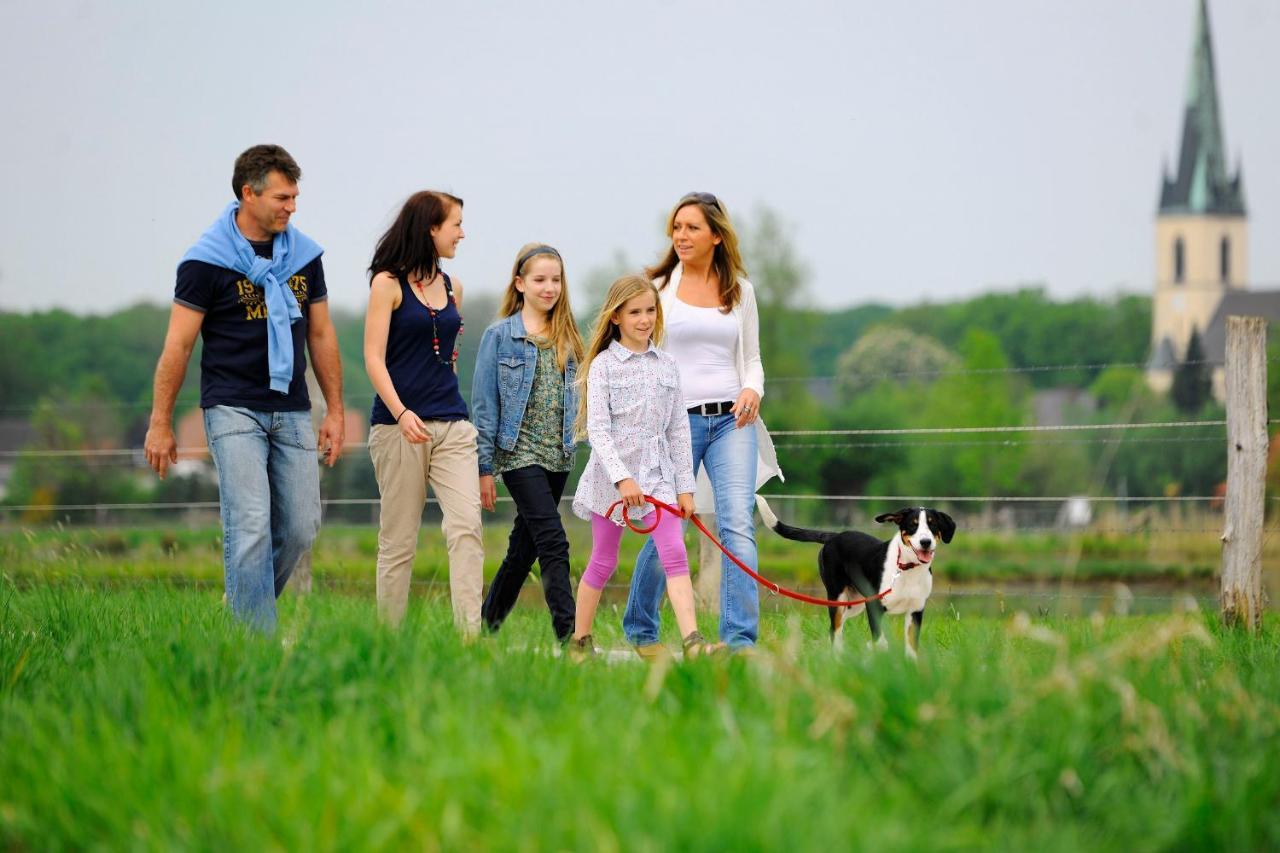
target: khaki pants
448 464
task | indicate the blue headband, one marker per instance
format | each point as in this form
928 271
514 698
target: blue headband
538 250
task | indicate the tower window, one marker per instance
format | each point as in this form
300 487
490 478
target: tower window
1224 260
1179 261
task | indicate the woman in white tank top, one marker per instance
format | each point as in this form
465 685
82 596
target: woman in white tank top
713 333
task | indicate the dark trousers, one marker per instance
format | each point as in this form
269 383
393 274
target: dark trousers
538 534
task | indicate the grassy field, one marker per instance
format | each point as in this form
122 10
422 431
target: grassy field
347 553
140 718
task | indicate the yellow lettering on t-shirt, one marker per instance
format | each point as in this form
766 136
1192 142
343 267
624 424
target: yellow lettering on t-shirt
298 284
255 306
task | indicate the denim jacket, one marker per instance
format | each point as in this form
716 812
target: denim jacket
500 390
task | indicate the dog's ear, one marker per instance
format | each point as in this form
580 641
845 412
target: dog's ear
948 525
895 517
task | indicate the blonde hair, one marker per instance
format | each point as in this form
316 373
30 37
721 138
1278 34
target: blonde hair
606 332
562 329
727 259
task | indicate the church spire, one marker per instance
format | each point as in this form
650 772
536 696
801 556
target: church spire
1202 185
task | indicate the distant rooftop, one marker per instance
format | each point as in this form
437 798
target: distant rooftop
1237 303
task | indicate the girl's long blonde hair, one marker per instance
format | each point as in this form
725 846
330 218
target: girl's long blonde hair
562 329
606 332
727 260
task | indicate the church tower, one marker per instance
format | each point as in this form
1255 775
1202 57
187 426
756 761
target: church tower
1202 250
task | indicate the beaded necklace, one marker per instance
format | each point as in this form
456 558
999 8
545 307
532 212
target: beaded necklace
435 331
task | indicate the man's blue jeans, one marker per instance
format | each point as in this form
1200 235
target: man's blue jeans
729 456
269 479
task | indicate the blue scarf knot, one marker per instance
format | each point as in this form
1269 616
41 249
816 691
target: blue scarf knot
223 245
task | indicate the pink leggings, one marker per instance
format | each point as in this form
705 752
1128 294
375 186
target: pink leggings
668 538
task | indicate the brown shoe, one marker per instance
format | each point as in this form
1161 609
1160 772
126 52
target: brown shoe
696 646
653 652
580 649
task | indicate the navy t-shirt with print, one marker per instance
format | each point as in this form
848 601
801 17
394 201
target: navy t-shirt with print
233 365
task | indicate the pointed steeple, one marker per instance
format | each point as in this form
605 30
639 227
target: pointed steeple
1202 184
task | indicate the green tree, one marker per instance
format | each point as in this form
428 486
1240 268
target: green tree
984 396
830 333
1033 330
56 352
1119 387
1148 463
76 426
890 351
780 280
1192 383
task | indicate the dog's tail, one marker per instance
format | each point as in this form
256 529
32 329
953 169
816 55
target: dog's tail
786 531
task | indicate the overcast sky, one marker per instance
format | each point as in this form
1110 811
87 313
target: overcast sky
918 150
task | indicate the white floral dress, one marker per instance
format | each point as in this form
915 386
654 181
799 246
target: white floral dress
638 427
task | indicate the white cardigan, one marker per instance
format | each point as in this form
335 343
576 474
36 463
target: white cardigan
750 375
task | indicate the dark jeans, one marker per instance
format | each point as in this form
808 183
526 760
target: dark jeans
538 534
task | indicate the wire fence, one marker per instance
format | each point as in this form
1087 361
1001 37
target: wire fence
796 442
900 499
360 401
1040 515
136 453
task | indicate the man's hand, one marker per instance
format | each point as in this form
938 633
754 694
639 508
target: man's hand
488 492
333 432
161 448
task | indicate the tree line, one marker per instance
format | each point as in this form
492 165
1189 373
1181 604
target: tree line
85 382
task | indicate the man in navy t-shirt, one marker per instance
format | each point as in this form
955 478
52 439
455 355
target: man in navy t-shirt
253 287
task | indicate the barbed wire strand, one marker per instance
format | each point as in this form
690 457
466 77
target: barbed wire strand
91 453
1006 442
986 371
133 456
358 401
1041 428
900 499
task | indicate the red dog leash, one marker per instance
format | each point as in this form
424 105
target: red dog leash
660 507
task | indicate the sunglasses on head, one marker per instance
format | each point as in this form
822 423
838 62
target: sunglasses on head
704 198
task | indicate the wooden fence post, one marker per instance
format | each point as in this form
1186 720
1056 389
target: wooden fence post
1246 472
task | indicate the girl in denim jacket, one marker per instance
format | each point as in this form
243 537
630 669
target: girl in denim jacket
523 402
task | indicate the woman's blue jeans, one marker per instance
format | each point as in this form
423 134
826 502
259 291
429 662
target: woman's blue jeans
269 485
729 456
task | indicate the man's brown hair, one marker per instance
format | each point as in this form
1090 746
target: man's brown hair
253 166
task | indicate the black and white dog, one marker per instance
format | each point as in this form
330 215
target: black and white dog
855 565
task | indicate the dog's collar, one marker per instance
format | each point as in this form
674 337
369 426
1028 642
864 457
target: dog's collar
903 542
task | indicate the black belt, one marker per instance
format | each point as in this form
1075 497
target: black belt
712 408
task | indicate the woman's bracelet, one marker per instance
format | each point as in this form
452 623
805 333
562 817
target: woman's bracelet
401 415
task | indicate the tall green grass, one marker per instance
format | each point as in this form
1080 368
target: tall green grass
145 719
347 554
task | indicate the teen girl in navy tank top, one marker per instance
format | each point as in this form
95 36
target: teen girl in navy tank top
421 441
423 374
